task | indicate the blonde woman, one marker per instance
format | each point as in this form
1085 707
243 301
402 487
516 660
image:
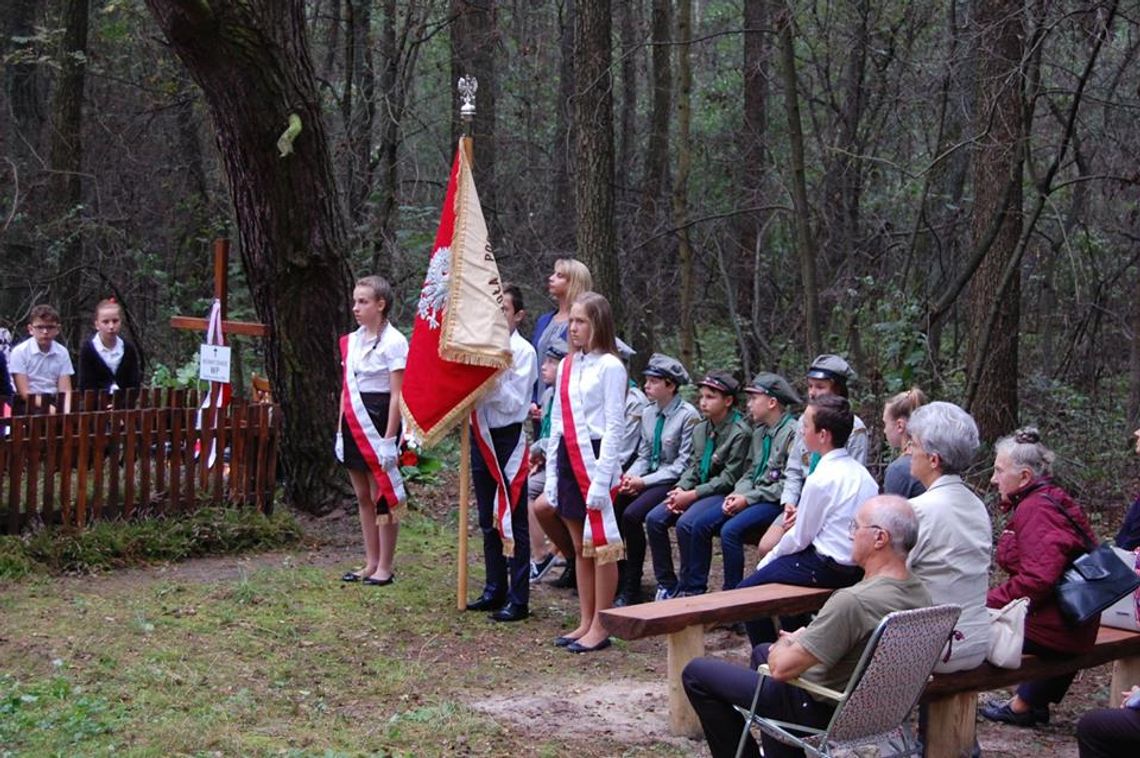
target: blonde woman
896 415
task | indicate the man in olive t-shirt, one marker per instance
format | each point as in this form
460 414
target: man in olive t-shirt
824 652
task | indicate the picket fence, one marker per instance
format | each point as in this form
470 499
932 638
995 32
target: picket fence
73 458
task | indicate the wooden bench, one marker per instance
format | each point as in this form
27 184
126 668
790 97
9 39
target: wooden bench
682 620
952 699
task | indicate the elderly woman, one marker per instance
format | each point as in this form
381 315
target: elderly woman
1035 548
952 555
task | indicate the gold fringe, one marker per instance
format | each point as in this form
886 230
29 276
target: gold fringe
508 548
391 517
500 360
587 549
609 553
450 419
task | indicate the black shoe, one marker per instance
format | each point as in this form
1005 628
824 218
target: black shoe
1002 713
627 597
538 569
372 581
511 612
567 580
486 603
351 576
565 641
577 647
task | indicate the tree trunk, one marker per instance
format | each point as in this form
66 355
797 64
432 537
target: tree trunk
473 44
997 166
358 108
681 187
805 242
252 62
562 223
67 161
594 120
752 168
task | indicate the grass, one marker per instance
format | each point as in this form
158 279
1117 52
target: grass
279 658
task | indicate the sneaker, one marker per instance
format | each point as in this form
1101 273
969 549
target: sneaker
1002 713
539 569
663 593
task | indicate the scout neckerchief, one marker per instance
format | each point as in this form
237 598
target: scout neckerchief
658 430
601 539
509 479
710 444
767 447
365 433
544 430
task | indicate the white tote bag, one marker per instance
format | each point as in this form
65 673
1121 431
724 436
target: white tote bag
1007 633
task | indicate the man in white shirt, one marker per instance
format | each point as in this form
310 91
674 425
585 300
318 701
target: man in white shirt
499 470
816 551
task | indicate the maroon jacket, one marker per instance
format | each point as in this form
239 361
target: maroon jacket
1035 549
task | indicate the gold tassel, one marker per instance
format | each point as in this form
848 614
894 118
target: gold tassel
587 549
508 548
609 553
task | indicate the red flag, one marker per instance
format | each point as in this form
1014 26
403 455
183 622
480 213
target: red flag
461 339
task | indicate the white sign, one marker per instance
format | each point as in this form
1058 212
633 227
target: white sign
214 363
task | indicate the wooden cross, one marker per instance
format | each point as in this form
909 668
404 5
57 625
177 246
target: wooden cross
221 268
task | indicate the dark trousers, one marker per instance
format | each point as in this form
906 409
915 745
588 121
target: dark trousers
1039 693
714 686
806 568
1109 733
630 512
506 577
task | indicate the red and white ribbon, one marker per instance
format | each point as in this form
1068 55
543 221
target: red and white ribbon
601 538
509 480
368 438
215 396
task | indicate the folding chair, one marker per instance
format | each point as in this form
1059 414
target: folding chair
884 688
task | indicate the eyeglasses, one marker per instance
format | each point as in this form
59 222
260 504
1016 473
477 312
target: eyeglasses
45 327
854 526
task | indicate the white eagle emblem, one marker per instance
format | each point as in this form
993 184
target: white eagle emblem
433 296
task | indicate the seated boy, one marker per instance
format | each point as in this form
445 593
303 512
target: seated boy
720 449
664 452
40 365
541 557
755 500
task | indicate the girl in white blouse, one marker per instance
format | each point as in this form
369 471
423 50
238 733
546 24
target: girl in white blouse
587 423
377 354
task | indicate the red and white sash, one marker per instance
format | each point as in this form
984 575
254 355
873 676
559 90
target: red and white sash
218 394
601 539
368 437
508 481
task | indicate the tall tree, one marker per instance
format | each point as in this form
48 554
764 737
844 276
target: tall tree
998 160
253 65
67 155
684 168
474 38
594 121
805 239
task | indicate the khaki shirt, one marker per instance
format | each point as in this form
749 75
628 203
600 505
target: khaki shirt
730 452
767 486
676 442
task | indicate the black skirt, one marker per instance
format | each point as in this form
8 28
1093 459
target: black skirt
571 504
376 403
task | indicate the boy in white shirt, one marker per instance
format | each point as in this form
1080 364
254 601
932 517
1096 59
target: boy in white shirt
40 365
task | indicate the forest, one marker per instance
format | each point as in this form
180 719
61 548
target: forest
945 192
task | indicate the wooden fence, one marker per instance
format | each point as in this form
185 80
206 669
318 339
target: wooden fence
73 458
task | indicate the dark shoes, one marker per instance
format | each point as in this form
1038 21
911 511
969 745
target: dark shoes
511 612
486 603
565 641
351 576
372 581
577 647
1001 713
538 569
627 597
567 580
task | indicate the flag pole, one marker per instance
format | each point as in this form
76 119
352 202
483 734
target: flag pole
467 86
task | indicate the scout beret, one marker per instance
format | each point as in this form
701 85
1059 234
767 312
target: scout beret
721 381
828 366
774 385
665 367
625 352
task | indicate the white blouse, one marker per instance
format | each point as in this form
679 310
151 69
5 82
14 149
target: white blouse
374 360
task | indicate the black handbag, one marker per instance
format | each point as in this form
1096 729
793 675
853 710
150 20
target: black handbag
1093 581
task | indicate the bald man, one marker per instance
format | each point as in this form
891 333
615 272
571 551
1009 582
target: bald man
826 651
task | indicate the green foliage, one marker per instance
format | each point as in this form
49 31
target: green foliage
177 377
115 544
55 705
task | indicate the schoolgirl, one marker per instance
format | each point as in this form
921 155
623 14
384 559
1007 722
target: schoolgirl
107 361
373 359
587 423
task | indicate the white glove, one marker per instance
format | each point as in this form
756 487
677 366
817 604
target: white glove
597 498
338 447
388 452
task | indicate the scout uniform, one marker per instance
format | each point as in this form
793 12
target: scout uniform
664 452
719 455
800 461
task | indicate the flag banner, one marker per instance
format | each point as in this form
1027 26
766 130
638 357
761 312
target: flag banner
461 340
